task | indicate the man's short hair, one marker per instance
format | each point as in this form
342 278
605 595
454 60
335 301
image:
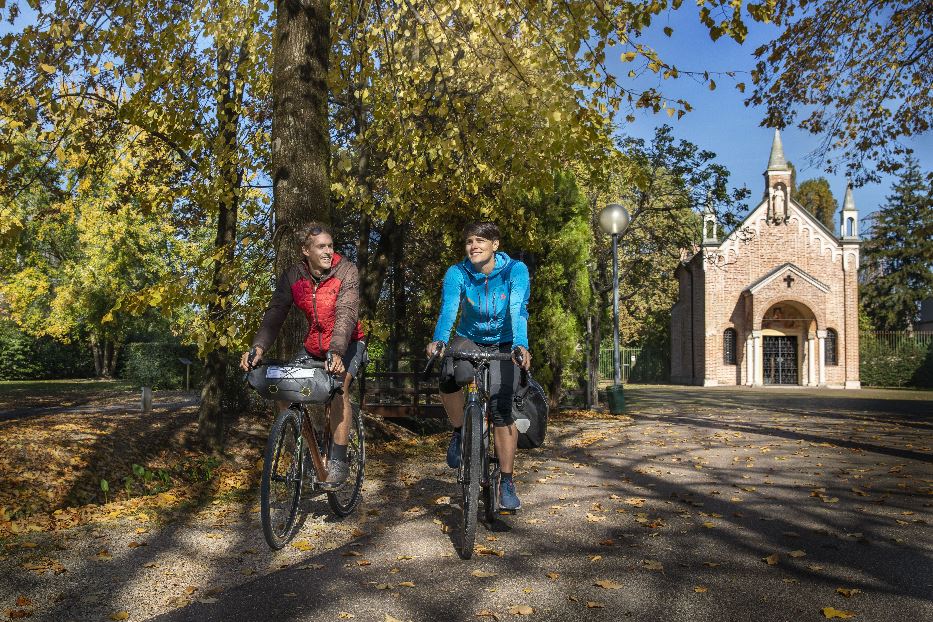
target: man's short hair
311 229
483 229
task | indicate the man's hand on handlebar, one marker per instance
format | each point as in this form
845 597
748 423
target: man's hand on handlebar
251 359
335 364
521 357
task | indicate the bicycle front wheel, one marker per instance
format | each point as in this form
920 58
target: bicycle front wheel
345 500
280 486
472 464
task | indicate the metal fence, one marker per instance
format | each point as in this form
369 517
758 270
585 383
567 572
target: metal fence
897 339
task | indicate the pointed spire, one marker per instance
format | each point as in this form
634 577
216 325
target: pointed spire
777 162
848 204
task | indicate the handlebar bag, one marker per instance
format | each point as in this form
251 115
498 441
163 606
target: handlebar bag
530 411
293 383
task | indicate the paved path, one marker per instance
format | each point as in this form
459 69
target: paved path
671 516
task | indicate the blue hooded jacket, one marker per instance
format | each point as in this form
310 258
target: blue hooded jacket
494 308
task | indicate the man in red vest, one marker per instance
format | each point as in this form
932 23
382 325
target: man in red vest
327 288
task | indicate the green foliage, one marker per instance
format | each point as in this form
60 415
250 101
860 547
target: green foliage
23 357
908 362
560 291
156 365
897 260
817 197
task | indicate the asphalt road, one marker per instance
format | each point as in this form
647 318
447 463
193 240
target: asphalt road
715 504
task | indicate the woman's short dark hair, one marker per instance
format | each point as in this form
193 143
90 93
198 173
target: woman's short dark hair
482 229
307 231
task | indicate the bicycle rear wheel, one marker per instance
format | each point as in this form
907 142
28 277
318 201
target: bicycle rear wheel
472 464
280 486
345 500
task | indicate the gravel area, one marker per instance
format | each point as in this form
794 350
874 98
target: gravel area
712 504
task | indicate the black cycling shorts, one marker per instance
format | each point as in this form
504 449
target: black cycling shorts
503 378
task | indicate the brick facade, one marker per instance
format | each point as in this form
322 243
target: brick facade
785 284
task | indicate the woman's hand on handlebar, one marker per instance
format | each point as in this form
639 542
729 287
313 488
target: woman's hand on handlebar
521 357
435 347
251 359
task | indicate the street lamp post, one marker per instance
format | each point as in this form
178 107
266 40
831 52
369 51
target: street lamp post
614 220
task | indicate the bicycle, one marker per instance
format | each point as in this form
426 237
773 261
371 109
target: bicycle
301 433
479 465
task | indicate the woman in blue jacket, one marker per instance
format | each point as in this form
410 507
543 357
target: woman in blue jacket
490 290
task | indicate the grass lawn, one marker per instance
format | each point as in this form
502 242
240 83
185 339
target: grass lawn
16 394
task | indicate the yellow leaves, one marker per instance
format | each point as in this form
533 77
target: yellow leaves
772 560
628 57
608 584
592 604
830 612
303 545
120 615
47 68
848 592
700 589
521 610
345 615
652 564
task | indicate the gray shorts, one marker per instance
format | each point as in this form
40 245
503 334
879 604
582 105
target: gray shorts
503 378
356 357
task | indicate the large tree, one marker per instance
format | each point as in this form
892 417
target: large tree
857 71
897 266
817 197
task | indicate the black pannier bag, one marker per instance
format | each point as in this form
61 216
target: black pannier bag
530 410
293 383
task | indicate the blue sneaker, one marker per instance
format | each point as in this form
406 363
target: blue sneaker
453 450
508 500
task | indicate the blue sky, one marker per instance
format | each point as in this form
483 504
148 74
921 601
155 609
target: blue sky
720 121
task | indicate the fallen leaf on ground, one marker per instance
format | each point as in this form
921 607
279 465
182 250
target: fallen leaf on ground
22 601
829 612
553 576
608 584
771 559
302 545
486 613
595 558
814 567
345 615
482 574
16 614
797 554
848 592
652 564
104 554
709 524
384 586
391 619
712 564
120 615
592 604
699 589
407 584
521 610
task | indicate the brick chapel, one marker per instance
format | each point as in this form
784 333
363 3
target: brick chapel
774 302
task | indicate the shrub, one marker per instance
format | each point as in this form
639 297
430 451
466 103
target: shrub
157 365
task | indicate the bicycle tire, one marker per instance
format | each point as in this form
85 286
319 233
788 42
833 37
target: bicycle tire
344 501
280 485
471 456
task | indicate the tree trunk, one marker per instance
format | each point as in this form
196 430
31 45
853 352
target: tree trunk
98 354
300 136
211 418
553 389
